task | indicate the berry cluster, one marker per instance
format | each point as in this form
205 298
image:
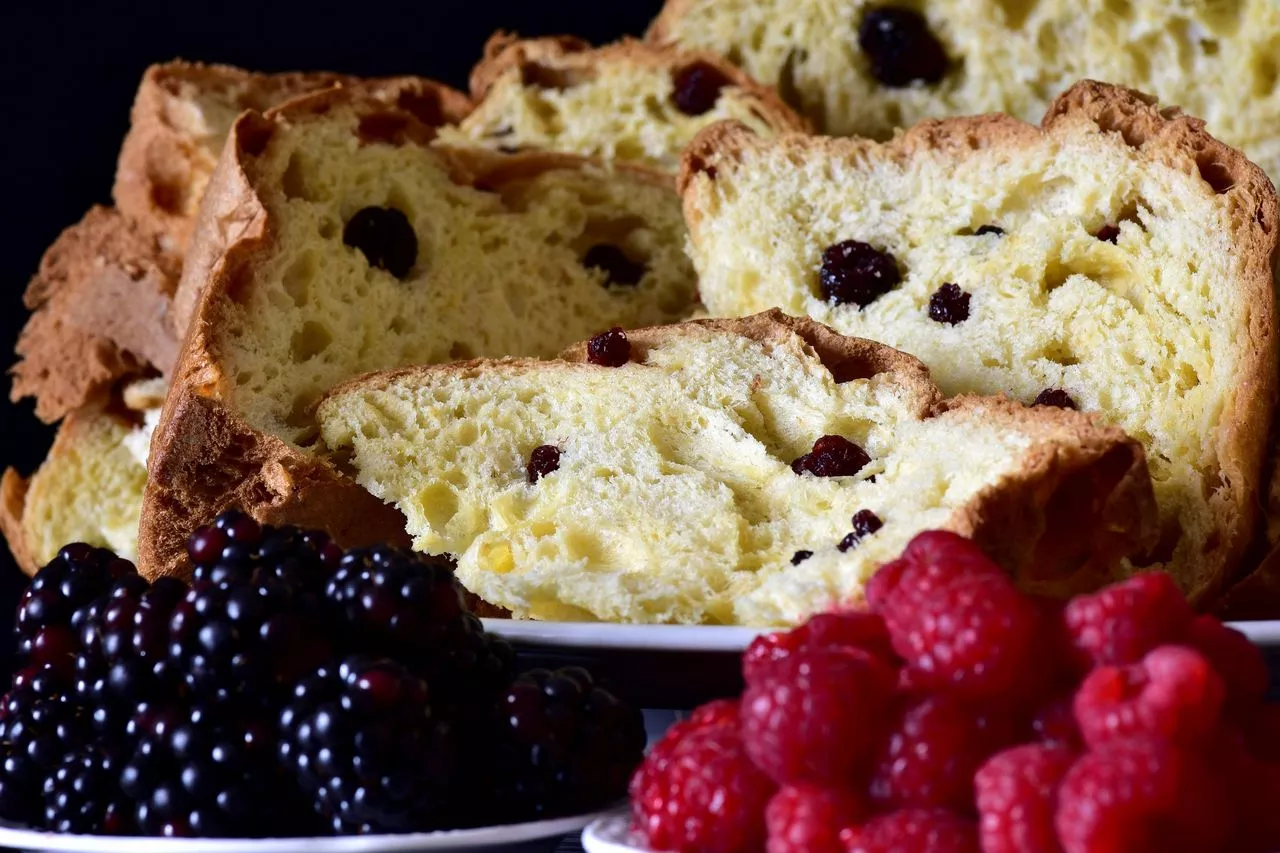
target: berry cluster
292 689
956 714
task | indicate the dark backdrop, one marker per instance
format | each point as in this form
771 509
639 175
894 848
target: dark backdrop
69 72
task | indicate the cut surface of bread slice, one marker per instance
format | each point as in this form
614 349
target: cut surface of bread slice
863 68
348 242
1130 266
673 497
626 101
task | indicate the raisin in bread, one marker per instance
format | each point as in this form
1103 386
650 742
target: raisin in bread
347 242
1118 259
666 488
89 488
626 101
864 68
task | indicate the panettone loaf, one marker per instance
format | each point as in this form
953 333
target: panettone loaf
672 491
1118 259
627 101
345 242
858 67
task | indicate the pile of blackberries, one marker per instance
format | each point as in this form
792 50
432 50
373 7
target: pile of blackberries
292 688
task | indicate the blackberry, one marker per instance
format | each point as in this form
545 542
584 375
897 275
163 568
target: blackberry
83 796
360 740
560 745
901 47
832 456
251 624
385 237
609 349
39 725
409 607
199 771
856 273
73 579
614 263
697 87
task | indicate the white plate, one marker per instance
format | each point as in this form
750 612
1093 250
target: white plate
698 638
473 840
612 834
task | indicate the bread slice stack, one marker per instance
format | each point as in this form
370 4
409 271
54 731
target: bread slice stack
864 68
684 484
627 102
104 317
335 239
1118 259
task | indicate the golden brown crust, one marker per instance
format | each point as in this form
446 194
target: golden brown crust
1080 502
100 304
672 11
13 499
1166 136
567 59
204 457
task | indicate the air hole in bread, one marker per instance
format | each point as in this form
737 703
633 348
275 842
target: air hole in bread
309 341
539 76
460 351
1266 74
390 129
294 180
297 279
1016 12
238 280
1061 353
424 106
166 196
302 412
254 134
329 228
1112 121
1214 172
438 504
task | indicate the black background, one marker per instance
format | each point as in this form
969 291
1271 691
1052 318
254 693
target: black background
70 68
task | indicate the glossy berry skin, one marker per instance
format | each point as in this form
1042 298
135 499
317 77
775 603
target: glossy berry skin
698 790
901 47
914 831
815 714
857 273
832 456
385 237
360 741
850 629
1017 796
559 745
609 349
1121 623
83 796
40 724
697 87
932 560
1238 661
810 819
619 270
406 606
1173 694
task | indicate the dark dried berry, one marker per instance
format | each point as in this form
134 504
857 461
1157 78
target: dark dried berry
949 304
618 269
385 237
697 88
800 556
1108 233
865 522
559 745
901 47
856 273
832 456
609 349
543 461
989 229
1054 397
360 740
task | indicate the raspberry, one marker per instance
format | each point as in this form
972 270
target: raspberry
722 712
914 831
1120 624
1262 733
932 559
804 818
817 714
848 629
1238 661
1017 793
1173 694
1055 723
1140 795
977 635
931 755
706 795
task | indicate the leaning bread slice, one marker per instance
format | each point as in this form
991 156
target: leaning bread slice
1119 254
626 101
348 243
861 67
664 489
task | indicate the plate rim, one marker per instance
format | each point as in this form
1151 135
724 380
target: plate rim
615 636
20 838
611 833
